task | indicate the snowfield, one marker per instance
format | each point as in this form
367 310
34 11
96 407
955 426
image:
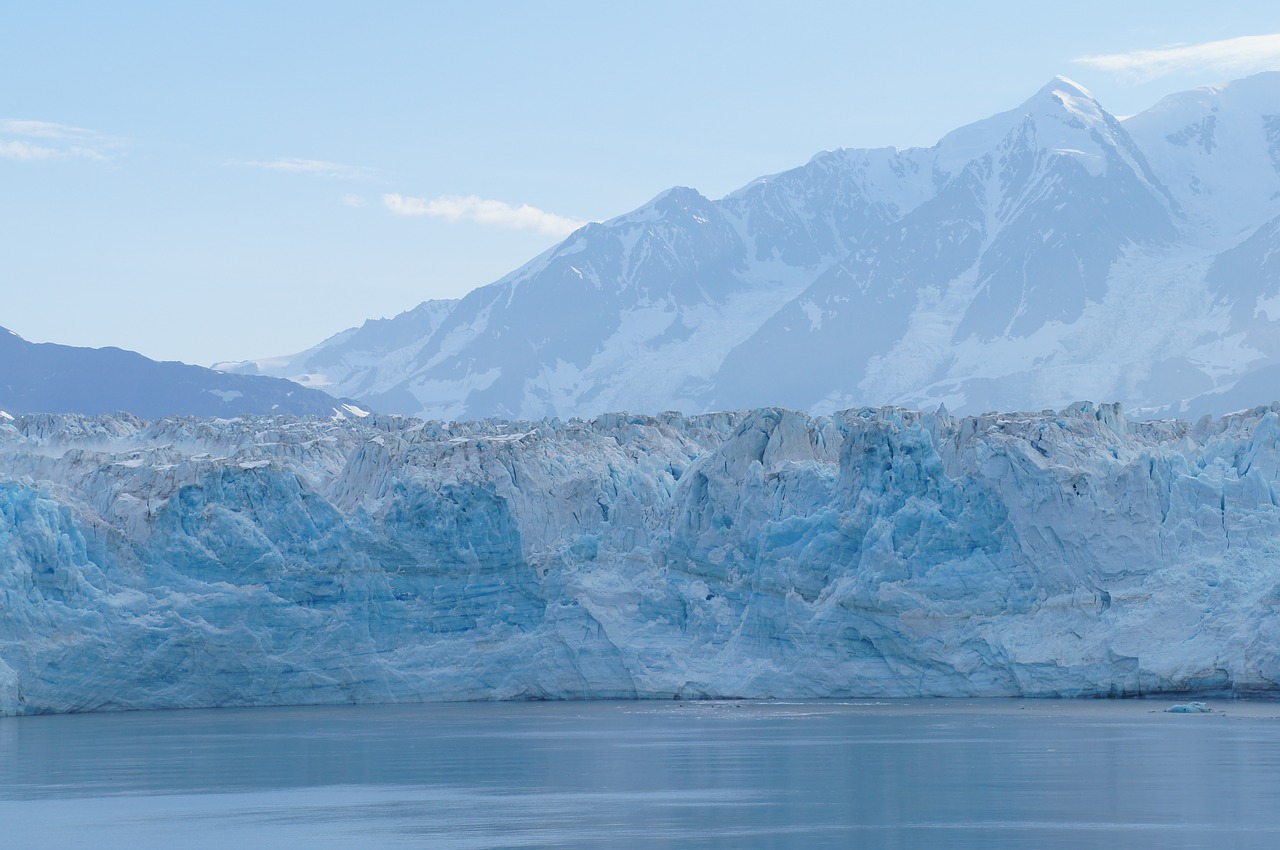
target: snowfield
873 552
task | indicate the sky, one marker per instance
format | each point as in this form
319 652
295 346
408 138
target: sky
223 181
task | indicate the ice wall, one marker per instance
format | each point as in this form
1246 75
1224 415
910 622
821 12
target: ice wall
877 552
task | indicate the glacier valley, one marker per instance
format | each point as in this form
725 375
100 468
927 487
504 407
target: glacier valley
871 552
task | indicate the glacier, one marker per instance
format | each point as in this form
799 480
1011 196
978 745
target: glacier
874 552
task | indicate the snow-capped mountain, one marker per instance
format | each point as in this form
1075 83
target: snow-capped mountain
1217 149
1033 209
50 378
637 312
1049 253
368 361
873 553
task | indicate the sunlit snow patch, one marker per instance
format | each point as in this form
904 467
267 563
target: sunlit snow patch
349 410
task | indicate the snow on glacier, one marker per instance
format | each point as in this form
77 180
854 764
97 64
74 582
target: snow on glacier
873 552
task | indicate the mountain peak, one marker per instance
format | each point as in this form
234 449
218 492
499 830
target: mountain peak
1061 95
1061 86
1061 112
681 196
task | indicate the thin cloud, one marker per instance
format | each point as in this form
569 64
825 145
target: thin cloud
354 201
298 165
44 130
52 141
1245 54
483 211
27 152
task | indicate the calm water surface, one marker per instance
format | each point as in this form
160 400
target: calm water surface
927 774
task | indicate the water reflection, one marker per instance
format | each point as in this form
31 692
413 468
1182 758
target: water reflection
743 775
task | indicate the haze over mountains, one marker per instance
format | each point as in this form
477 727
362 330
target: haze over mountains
1050 253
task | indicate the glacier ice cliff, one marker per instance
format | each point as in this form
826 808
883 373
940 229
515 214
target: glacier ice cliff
873 552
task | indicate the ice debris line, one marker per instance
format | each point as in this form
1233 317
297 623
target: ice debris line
875 552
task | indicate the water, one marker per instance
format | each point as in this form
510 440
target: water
734 774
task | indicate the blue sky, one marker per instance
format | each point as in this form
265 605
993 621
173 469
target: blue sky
231 180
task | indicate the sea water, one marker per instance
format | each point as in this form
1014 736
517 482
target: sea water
893 774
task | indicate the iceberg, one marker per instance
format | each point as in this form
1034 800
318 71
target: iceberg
876 552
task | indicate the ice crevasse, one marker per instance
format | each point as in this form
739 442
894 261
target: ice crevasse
767 553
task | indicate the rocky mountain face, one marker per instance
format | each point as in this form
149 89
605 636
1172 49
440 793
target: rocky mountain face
50 378
873 553
1050 253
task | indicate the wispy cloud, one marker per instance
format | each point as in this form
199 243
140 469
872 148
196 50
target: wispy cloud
1231 56
21 150
32 141
483 211
356 201
298 165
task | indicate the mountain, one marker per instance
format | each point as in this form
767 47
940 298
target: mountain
1049 253
875 553
1034 209
632 313
368 361
51 378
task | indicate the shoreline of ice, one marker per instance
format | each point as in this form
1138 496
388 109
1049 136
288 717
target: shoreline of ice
874 553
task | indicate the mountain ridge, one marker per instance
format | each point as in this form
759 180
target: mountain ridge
48 377
998 269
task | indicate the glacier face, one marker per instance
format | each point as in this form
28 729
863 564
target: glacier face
873 552
1029 259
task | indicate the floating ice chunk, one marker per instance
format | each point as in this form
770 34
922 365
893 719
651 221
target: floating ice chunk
1189 708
